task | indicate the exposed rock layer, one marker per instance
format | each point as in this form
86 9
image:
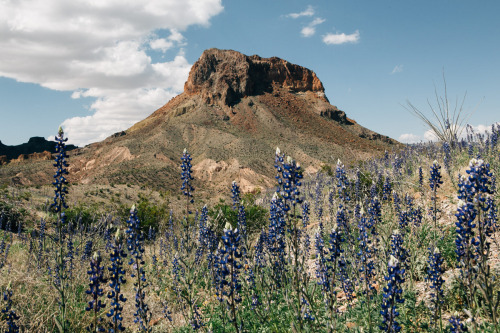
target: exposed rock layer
226 76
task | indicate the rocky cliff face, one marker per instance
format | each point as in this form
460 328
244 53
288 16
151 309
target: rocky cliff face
224 77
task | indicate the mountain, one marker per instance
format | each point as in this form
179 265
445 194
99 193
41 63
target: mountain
234 111
36 147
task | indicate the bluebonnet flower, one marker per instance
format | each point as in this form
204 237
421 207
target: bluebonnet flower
373 191
306 310
343 220
397 164
135 244
387 189
375 215
456 325
58 206
305 214
415 214
396 201
346 283
60 181
322 272
470 150
434 183
494 137
2 252
242 224
8 314
117 280
230 262
420 178
196 320
202 227
475 192
435 272
466 214
342 182
235 194
186 177
365 255
392 296
96 291
87 251
435 176
279 160
292 175
474 228
447 155
329 261
167 314
397 249
276 239
259 248
409 215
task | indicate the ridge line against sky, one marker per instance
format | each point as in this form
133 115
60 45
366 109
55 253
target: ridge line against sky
97 68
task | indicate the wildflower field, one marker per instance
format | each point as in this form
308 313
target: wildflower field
406 242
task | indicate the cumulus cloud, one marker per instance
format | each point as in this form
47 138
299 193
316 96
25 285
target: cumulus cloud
100 49
409 138
176 39
397 69
430 136
310 29
308 12
342 38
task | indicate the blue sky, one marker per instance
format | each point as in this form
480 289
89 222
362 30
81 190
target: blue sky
97 67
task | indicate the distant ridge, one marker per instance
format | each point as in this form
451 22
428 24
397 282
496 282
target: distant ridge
35 144
234 111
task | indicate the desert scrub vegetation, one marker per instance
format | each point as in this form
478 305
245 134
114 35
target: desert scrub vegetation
405 242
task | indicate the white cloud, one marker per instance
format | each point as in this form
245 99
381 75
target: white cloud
430 136
176 39
308 12
397 69
100 49
310 29
409 138
341 38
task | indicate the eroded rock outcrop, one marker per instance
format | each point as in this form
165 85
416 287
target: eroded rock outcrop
43 156
224 77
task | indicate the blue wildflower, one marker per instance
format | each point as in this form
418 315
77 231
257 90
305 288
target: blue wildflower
456 325
135 244
96 291
392 296
342 182
230 262
117 280
186 177
8 314
60 181
435 272
387 189
235 194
